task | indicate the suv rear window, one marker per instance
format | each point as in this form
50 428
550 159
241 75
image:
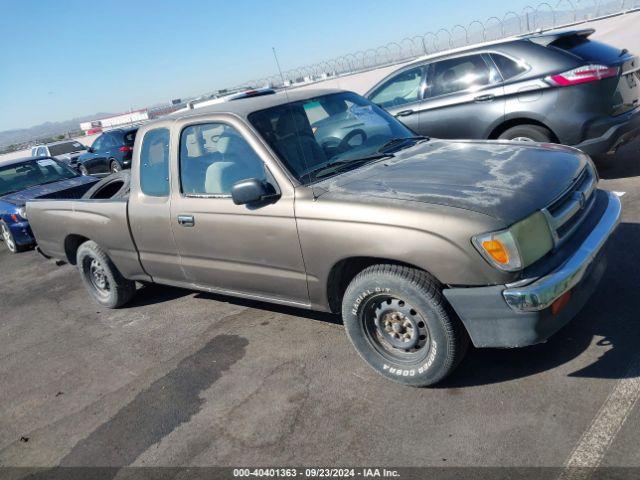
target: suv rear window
588 50
130 137
508 68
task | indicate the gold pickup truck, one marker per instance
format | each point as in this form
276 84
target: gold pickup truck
322 200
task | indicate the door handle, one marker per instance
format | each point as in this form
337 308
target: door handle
186 220
404 113
485 98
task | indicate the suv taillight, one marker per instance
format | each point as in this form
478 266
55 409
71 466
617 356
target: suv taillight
584 74
125 149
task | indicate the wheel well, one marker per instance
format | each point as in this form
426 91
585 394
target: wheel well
71 245
503 127
345 270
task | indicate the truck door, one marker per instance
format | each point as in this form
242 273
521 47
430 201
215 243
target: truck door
149 209
228 248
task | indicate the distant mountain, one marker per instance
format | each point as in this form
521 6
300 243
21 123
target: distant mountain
47 129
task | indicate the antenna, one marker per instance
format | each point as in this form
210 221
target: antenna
293 119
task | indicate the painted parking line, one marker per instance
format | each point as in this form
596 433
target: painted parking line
596 440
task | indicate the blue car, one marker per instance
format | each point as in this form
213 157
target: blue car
27 179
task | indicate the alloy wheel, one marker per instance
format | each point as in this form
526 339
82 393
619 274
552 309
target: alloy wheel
8 238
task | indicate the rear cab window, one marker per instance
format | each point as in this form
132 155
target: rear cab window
154 163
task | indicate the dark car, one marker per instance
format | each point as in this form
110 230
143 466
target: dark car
28 179
109 153
556 87
66 151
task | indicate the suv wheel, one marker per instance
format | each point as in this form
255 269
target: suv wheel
101 277
527 133
114 167
400 324
83 170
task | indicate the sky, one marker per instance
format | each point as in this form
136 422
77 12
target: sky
60 59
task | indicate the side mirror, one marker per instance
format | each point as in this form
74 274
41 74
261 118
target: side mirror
252 191
89 150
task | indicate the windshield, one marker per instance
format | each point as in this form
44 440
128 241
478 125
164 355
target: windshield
310 134
20 176
68 147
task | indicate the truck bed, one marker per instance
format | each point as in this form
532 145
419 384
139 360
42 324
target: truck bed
60 225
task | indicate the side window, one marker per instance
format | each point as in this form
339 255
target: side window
213 157
42 152
458 74
154 163
98 144
508 68
108 142
403 88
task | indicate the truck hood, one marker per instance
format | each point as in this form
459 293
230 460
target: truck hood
506 180
62 189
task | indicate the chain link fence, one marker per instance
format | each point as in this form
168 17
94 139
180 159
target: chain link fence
543 16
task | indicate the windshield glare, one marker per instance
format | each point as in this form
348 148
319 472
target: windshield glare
27 174
68 147
310 134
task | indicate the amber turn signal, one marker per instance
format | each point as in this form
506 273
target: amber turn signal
497 250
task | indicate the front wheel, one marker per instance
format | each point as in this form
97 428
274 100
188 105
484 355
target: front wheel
399 322
8 239
101 277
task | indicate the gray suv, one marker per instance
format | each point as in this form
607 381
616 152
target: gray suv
556 87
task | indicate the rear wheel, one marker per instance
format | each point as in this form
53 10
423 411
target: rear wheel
7 238
83 170
114 166
400 324
101 277
528 133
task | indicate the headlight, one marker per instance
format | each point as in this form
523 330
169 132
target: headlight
518 246
22 211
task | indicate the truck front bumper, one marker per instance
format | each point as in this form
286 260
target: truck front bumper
529 312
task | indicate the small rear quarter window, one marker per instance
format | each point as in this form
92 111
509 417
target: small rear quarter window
508 68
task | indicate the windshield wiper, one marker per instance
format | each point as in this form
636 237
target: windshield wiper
338 165
399 140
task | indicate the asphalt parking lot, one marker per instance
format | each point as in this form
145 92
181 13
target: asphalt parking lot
182 378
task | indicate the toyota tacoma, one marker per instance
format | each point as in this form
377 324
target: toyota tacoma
421 244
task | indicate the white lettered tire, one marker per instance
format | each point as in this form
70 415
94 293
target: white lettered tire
400 324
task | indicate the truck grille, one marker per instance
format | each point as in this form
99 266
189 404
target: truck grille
567 212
